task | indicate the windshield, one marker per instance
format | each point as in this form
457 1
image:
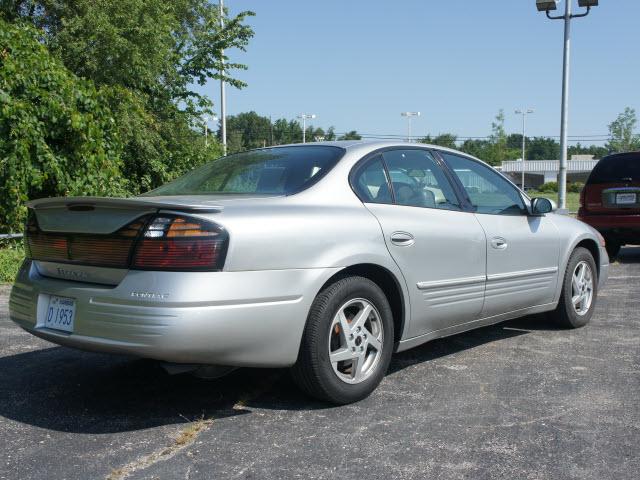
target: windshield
278 171
617 168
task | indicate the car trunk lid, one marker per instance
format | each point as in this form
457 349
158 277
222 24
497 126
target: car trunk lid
100 215
91 239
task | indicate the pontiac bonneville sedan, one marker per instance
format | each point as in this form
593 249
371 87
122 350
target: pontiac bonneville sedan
324 257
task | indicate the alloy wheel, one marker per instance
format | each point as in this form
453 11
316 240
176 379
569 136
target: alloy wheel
582 288
355 341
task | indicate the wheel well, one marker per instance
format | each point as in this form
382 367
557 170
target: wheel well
595 251
389 285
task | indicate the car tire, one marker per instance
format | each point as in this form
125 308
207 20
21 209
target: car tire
327 335
613 247
568 314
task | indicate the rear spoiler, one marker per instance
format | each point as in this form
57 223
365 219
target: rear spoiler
137 203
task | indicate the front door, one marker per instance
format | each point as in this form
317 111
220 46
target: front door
440 249
522 250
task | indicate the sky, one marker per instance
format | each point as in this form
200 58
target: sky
357 64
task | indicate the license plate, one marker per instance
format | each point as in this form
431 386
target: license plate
60 313
625 198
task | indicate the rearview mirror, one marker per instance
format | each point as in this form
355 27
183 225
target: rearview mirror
541 205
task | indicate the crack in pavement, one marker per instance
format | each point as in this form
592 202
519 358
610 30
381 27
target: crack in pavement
187 436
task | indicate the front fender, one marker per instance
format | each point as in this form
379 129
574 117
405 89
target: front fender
574 233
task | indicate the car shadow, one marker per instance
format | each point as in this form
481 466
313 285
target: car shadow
71 391
628 255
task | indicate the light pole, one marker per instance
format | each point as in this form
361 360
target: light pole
409 116
206 120
547 6
524 112
304 117
223 99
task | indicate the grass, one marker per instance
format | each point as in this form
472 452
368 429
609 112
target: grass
573 199
11 256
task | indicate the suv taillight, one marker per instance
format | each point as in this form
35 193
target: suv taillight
174 242
583 193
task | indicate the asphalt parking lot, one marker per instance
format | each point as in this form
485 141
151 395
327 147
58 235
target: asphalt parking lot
520 400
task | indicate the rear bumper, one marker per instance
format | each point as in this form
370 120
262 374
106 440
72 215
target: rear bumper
624 227
253 318
607 221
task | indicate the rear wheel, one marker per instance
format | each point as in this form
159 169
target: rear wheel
347 343
579 290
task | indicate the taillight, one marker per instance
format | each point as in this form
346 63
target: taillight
159 242
173 242
582 196
111 250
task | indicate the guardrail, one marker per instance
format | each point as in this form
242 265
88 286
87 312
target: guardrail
6 236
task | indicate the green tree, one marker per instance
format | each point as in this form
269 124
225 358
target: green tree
448 140
499 150
330 135
621 131
596 151
144 56
248 130
57 136
286 131
475 147
542 148
352 135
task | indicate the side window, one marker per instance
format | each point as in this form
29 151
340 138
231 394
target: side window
371 183
486 189
418 181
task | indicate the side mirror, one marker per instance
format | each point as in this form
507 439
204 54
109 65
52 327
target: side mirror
540 206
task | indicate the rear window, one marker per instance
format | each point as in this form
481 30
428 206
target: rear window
618 168
278 171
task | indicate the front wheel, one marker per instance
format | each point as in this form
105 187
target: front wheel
579 290
347 343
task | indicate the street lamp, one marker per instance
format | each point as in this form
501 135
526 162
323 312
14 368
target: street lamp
546 6
304 117
206 119
223 98
524 112
409 116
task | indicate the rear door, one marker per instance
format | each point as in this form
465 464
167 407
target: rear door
439 248
522 250
614 186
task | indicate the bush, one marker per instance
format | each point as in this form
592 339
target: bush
57 137
11 256
575 187
549 187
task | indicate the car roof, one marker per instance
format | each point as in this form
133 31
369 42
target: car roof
371 144
623 154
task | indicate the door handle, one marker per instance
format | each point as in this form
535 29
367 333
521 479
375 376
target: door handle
499 243
402 239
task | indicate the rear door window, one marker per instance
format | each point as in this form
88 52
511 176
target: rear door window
418 181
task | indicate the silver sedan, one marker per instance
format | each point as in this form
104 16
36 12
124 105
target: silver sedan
324 257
